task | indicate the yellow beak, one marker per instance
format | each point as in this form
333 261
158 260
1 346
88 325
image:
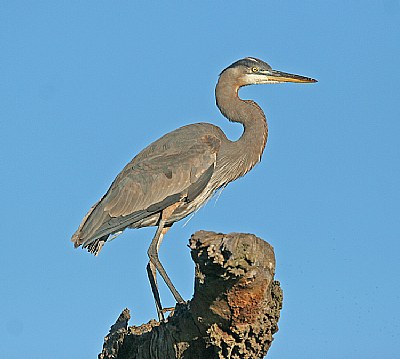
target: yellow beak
279 76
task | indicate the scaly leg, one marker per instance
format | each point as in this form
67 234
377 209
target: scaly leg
152 274
155 264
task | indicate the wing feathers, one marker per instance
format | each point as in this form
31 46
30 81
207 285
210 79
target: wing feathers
149 184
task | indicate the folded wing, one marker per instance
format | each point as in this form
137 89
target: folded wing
148 184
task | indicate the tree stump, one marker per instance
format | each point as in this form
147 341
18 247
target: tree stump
233 314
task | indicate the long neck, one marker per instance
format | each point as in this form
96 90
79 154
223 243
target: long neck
247 150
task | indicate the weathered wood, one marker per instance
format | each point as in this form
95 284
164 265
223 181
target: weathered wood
233 314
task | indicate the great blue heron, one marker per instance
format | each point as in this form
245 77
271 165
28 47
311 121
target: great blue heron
179 172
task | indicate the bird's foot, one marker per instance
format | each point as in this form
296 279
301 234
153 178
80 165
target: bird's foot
170 309
161 312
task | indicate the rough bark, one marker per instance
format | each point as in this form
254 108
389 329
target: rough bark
233 314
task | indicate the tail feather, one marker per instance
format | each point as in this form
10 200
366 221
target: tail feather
96 246
92 246
80 239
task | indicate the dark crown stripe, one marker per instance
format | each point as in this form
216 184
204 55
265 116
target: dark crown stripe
249 62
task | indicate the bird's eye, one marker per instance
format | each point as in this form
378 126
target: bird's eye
254 69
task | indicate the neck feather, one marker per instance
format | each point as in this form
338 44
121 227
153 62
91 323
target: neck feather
249 147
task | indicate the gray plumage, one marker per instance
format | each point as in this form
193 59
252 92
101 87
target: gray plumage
179 172
166 172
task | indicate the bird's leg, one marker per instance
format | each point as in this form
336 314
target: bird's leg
153 255
152 274
152 269
155 263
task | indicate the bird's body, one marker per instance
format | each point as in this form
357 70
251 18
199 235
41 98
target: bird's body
179 172
164 173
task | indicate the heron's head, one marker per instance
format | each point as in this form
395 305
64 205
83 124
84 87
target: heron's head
252 71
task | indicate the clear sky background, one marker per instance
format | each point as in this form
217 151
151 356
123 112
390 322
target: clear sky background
85 85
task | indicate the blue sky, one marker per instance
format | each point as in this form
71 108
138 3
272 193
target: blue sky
86 85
